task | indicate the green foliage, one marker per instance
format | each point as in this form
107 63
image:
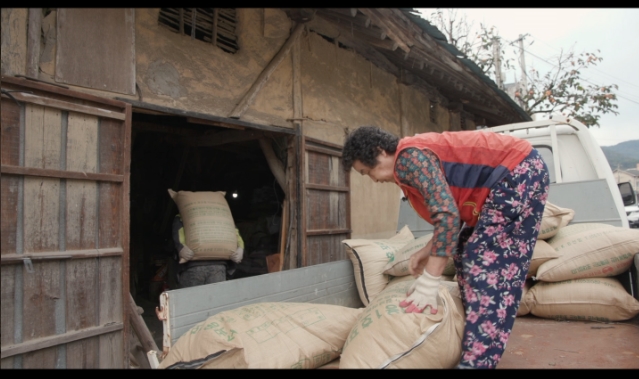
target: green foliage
562 89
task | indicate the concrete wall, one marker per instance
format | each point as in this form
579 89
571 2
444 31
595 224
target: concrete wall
340 89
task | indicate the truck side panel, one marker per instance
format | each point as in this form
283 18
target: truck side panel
328 283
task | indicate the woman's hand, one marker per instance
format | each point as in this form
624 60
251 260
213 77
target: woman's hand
418 260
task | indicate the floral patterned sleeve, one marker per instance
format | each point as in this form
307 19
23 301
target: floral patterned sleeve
421 169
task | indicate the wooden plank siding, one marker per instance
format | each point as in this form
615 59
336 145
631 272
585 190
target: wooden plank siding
327 203
107 66
64 194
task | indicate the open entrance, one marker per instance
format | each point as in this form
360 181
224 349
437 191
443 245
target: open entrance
178 153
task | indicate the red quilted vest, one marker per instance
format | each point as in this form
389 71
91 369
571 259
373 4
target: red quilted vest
472 161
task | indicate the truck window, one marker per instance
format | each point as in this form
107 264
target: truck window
546 155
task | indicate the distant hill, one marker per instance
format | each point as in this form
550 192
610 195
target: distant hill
623 155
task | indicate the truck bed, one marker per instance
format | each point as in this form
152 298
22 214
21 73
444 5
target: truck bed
542 343
534 342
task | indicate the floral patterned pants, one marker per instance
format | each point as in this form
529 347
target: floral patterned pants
493 258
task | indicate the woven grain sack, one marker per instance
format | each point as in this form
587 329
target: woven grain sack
398 263
590 250
208 224
265 335
594 299
553 219
384 336
369 258
543 252
524 307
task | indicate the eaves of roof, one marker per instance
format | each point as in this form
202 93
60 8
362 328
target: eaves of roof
439 37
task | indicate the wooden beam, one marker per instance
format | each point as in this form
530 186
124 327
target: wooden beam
143 126
214 31
200 121
193 22
247 100
274 163
284 233
140 105
223 138
370 53
298 105
60 174
387 44
139 327
323 187
58 339
181 20
65 105
360 20
320 232
7 259
34 33
349 24
390 30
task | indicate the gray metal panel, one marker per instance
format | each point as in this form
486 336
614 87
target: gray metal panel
328 283
591 200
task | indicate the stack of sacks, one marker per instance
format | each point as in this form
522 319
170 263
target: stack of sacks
573 270
369 258
384 336
265 335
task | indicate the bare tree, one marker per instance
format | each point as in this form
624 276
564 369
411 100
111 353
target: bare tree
561 89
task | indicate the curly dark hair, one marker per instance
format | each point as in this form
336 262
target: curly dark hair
365 143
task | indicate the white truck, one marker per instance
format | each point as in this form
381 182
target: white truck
581 179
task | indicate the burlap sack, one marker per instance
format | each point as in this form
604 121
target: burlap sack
265 335
398 263
590 250
369 258
594 299
543 252
524 308
384 336
554 218
208 224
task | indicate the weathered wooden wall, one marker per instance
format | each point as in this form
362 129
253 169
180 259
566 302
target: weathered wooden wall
14 41
63 210
339 90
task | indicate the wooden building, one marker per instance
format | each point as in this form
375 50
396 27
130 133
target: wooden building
103 110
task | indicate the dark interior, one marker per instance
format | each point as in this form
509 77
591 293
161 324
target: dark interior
157 159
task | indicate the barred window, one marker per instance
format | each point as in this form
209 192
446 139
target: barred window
212 25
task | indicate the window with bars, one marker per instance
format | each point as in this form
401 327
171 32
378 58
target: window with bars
212 25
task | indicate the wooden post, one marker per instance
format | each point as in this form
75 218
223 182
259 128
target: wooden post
284 233
246 101
216 14
181 20
139 327
274 163
33 42
193 22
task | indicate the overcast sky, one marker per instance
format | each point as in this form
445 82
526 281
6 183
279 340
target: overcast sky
613 31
